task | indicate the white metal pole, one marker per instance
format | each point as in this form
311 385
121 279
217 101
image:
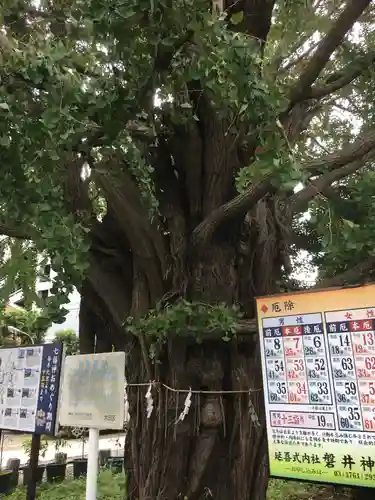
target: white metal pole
92 464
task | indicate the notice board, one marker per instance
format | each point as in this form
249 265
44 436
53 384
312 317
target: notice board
318 363
29 387
93 391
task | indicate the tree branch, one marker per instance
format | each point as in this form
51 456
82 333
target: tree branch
237 205
247 200
299 58
342 78
327 46
298 201
351 275
354 151
111 290
257 16
14 232
125 205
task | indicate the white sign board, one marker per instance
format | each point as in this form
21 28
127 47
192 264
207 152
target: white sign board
93 391
29 386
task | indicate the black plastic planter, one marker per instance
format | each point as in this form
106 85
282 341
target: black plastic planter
39 476
56 473
15 476
5 481
115 464
13 465
79 468
103 457
60 458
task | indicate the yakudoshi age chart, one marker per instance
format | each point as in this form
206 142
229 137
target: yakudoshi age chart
318 361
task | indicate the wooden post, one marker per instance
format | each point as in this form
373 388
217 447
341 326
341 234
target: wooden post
363 494
34 459
1 450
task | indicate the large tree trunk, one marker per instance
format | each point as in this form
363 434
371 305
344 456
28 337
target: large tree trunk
211 246
219 450
208 244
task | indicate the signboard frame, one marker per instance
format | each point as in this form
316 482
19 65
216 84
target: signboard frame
49 375
90 415
350 469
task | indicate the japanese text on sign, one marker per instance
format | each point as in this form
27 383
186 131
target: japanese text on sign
93 391
29 383
318 362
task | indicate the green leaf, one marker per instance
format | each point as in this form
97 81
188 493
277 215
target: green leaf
4 140
243 108
4 105
54 156
44 207
349 223
237 17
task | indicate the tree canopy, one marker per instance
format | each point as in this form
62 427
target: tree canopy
69 339
159 150
31 324
78 86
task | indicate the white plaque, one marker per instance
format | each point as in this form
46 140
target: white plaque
93 391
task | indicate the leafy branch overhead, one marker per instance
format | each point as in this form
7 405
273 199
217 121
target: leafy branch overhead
27 325
149 134
170 160
187 319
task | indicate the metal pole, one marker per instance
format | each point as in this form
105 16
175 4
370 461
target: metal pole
92 464
13 329
1 448
34 458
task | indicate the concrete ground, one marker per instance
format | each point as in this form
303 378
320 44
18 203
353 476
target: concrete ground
12 447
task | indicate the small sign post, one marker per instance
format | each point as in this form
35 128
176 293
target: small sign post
92 464
29 389
92 395
34 458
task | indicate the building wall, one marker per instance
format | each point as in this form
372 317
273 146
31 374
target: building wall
71 319
43 287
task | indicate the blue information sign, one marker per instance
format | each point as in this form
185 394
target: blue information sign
29 387
46 409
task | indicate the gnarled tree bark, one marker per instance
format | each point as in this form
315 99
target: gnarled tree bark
210 245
